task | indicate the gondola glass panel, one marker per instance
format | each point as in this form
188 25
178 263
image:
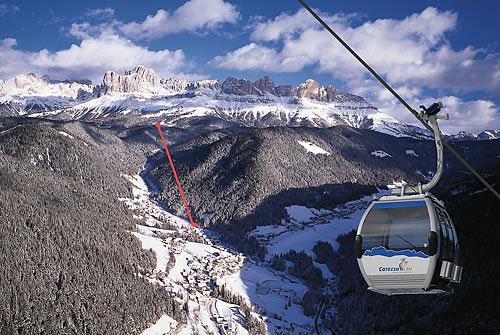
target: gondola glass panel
397 226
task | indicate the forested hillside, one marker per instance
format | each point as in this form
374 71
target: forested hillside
69 265
236 181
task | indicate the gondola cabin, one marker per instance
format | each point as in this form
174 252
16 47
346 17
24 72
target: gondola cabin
407 245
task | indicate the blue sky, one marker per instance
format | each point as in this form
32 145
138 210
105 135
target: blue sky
427 49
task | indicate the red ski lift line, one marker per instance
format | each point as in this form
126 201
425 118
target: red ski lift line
158 126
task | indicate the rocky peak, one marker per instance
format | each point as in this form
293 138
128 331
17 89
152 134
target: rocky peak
465 134
87 82
284 90
145 74
488 135
239 87
173 84
25 80
265 84
210 84
29 85
140 78
111 82
331 93
311 89
485 135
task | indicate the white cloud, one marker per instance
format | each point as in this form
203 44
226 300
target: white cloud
83 30
285 25
101 13
89 59
80 30
104 44
249 57
474 115
8 9
194 15
411 51
13 61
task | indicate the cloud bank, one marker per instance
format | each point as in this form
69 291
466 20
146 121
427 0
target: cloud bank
109 44
413 50
89 59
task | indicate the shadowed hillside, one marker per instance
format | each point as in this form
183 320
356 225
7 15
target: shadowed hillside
245 179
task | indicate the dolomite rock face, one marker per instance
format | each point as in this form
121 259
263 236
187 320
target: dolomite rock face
204 102
175 85
139 79
29 93
285 90
236 86
31 84
265 84
311 89
210 84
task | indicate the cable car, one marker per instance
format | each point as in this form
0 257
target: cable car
408 245
406 242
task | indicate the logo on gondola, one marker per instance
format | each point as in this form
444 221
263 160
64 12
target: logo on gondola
381 251
404 266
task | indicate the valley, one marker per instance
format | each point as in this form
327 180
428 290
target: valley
209 276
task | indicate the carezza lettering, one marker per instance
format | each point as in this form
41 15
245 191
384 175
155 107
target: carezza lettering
402 267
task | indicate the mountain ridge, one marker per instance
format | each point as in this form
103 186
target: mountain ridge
140 96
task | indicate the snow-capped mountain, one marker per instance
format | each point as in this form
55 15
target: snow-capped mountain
27 93
488 135
462 136
485 135
141 97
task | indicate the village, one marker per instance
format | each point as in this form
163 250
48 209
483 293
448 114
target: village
194 261
194 265
202 272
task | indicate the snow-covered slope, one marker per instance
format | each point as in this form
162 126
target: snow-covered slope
488 135
238 101
150 98
27 92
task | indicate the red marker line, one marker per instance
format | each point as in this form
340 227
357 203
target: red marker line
175 175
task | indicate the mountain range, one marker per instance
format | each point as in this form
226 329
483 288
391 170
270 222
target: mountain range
141 97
